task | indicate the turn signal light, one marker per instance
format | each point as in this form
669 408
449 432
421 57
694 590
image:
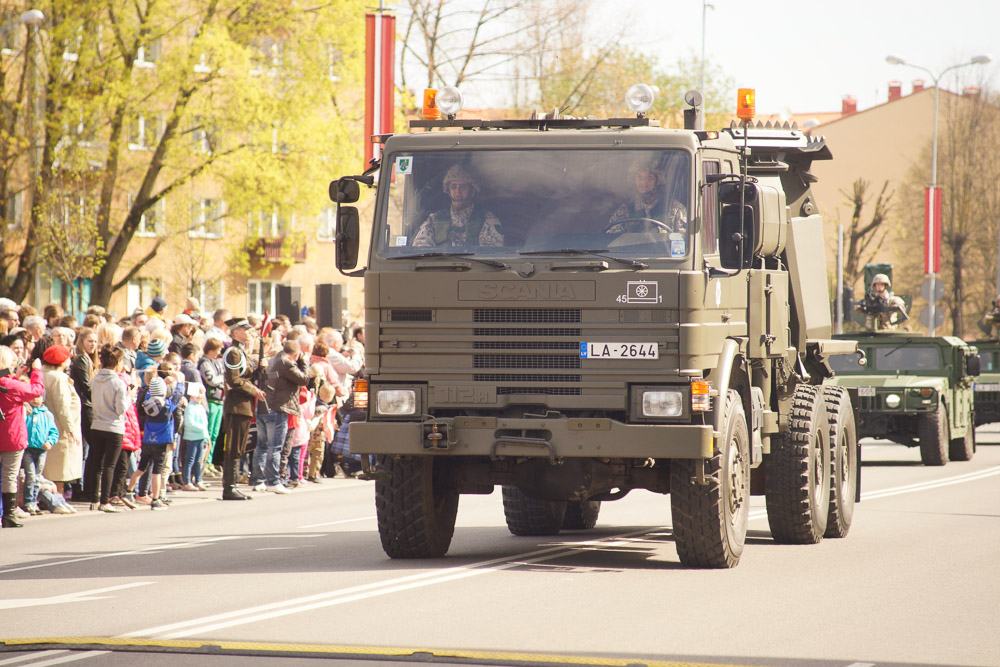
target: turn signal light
431 111
360 391
746 104
701 399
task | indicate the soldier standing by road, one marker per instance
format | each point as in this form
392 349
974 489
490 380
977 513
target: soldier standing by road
237 410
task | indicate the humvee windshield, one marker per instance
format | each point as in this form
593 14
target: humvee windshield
846 363
908 358
500 203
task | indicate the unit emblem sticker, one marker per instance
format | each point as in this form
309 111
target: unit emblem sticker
641 291
403 166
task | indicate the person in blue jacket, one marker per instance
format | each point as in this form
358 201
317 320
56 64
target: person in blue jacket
42 434
158 435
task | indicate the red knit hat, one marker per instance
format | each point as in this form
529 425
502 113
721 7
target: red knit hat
56 355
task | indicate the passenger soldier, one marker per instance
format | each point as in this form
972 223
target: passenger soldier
463 222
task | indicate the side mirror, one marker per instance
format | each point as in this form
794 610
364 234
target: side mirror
736 237
344 191
348 237
973 366
729 193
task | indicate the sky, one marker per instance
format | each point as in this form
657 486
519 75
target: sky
805 55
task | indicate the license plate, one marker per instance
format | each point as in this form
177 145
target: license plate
866 391
988 387
619 351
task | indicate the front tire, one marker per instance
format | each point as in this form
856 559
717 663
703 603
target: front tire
531 517
797 480
962 449
932 432
416 517
844 449
710 521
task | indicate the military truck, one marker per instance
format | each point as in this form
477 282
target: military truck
562 339
987 387
913 390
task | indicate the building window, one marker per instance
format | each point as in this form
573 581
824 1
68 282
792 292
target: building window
202 136
271 225
14 209
151 222
139 292
209 294
261 296
326 229
148 54
207 219
144 131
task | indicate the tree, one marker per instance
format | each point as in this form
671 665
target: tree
245 99
968 171
864 238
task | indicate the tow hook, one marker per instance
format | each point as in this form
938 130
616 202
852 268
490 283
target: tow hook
441 434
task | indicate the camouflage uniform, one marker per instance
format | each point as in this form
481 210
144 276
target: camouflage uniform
650 204
890 309
462 225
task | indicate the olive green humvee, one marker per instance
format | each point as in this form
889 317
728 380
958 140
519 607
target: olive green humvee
913 390
987 387
559 339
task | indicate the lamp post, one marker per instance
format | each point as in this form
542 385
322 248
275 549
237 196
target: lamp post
976 60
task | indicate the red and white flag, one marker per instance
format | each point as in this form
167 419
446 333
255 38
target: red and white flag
265 326
932 230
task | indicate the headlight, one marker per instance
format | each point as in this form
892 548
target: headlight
396 401
892 401
662 403
639 98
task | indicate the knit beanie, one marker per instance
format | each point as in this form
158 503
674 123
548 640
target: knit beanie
157 387
156 347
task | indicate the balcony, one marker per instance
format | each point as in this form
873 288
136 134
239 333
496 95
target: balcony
279 250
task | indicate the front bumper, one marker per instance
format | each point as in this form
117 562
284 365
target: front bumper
552 437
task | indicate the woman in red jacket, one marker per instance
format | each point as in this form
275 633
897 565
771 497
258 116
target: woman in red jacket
14 393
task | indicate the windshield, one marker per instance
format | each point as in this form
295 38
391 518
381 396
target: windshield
909 358
496 203
986 362
846 363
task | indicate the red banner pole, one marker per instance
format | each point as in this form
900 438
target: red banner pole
387 99
369 86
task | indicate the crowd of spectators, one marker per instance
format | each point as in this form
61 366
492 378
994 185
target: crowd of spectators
122 413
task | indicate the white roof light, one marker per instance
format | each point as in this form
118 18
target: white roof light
639 98
449 100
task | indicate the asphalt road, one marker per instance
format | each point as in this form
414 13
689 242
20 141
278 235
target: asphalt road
915 582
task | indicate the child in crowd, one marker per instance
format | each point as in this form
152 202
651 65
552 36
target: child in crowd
42 434
158 436
322 426
195 437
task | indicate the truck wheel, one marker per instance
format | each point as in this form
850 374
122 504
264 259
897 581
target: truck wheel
844 446
527 516
416 517
581 514
797 479
710 521
933 434
962 449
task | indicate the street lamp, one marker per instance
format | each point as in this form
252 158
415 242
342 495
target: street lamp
976 60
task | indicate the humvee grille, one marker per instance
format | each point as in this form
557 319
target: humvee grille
532 315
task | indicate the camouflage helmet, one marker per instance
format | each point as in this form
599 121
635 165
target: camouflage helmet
459 174
881 278
650 163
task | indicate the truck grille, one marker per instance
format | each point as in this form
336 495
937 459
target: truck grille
532 315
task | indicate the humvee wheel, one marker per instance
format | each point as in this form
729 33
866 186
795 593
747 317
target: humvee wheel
416 517
844 450
527 516
581 514
962 449
710 521
797 479
933 434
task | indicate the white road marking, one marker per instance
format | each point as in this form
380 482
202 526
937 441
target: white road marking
72 657
334 523
861 664
932 484
24 657
82 596
160 547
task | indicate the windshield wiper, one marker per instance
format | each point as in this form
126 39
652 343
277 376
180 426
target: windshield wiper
898 347
464 255
596 253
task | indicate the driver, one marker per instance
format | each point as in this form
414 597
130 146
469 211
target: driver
649 200
463 223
